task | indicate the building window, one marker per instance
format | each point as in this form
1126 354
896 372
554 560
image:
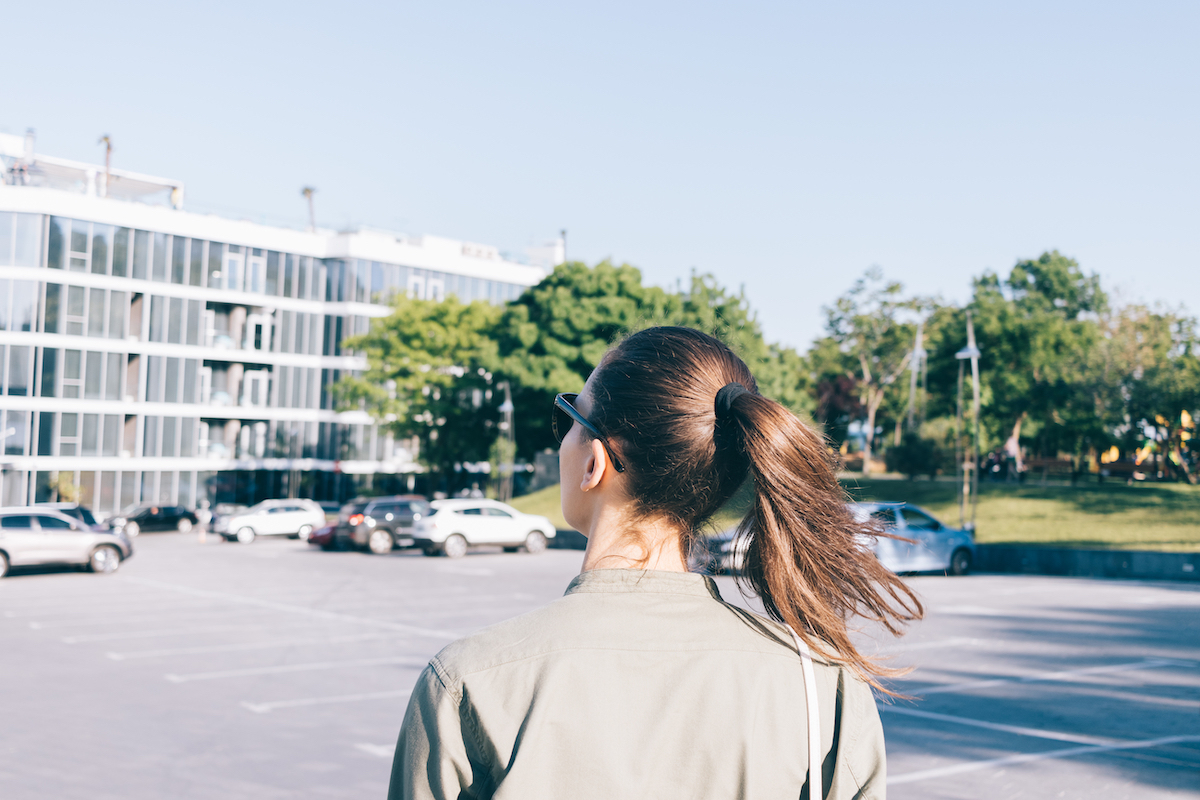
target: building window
157 311
141 255
95 314
118 312
76 303
56 242
231 270
161 249
93 375
20 366
68 435
175 321
49 372
72 380
120 258
101 247
89 443
179 260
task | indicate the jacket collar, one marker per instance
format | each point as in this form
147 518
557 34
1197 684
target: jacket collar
643 580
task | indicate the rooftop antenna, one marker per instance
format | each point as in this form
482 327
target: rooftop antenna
106 140
308 192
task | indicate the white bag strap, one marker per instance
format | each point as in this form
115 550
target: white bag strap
816 785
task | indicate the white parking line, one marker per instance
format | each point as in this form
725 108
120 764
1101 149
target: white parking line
904 647
91 622
972 611
408 661
1024 758
994 726
480 572
229 648
292 609
381 750
1152 663
96 610
102 637
263 708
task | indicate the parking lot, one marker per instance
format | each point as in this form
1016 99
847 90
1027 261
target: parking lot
275 670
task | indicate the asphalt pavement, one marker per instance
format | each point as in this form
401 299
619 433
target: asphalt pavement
275 670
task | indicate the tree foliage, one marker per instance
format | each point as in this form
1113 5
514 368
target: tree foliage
874 329
1060 369
428 376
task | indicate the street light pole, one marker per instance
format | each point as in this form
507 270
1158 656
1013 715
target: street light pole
971 475
918 357
509 438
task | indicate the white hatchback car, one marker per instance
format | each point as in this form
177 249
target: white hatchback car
295 519
454 525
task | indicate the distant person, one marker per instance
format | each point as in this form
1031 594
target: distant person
641 681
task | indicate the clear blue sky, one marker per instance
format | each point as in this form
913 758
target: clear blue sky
784 146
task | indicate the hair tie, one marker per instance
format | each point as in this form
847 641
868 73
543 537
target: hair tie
725 397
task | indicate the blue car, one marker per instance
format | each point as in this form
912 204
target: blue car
935 547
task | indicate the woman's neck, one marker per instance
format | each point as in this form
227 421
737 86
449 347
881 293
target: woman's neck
617 542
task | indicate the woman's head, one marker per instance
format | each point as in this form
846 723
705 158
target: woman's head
682 413
653 396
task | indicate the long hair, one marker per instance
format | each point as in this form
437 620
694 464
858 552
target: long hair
807 559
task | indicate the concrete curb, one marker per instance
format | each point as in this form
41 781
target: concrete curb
1145 564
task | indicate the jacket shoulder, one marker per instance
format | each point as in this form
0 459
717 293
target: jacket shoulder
525 636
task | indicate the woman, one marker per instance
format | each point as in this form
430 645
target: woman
641 681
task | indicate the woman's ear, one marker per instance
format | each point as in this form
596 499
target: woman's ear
596 467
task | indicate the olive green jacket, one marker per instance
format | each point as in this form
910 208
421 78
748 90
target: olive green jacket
635 684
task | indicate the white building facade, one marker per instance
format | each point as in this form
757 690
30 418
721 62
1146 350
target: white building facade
153 355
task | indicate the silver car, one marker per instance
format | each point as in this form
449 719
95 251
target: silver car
38 535
934 547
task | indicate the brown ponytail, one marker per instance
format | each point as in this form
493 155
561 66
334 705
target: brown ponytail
656 393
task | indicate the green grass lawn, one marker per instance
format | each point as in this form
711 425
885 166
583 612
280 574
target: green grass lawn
1144 516
547 502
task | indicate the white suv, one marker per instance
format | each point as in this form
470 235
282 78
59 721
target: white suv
295 519
454 525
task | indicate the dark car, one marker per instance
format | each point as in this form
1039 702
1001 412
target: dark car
155 518
79 512
379 524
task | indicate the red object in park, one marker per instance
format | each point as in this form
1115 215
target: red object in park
323 536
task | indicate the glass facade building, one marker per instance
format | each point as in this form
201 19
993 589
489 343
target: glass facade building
149 354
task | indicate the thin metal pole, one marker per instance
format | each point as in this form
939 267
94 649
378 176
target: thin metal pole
975 412
958 451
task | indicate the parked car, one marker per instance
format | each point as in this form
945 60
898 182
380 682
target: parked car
79 512
154 518
721 552
454 525
330 507
224 511
39 535
935 547
295 519
380 524
323 537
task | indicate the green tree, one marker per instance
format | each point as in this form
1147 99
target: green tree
1153 361
428 377
868 327
1038 332
553 336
